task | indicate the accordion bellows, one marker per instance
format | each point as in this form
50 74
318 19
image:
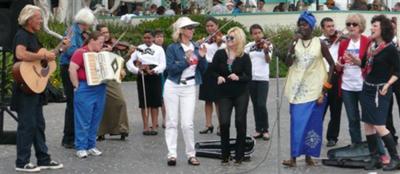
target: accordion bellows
102 66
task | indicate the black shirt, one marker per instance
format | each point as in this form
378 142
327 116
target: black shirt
241 66
385 64
27 39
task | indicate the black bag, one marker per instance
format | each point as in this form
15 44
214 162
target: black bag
351 156
212 149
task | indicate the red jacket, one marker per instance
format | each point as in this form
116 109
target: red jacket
364 43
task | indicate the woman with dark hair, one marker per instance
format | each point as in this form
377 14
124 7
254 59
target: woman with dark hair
148 62
260 52
88 100
306 87
208 88
381 70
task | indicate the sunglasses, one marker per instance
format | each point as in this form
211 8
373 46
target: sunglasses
351 24
230 38
188 28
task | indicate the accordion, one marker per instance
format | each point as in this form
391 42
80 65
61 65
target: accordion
102 66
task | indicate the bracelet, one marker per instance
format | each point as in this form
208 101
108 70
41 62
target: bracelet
327 85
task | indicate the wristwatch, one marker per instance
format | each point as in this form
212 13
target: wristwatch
60 50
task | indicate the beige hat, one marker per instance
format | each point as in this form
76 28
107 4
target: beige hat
229 4
184 22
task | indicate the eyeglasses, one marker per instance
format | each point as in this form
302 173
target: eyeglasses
230 38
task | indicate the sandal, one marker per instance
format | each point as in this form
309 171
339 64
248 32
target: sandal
265 136
193 161
289 163
257 135
171 161
310 161
101 138
146 133
225 161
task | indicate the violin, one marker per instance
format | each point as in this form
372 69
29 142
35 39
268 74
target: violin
117 45
336 37
216 37
260 43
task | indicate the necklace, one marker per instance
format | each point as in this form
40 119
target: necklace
308 45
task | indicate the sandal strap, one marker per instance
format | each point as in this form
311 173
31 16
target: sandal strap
194 160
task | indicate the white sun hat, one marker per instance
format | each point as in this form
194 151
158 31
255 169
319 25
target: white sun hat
184 22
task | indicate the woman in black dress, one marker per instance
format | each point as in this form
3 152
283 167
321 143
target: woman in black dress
381 70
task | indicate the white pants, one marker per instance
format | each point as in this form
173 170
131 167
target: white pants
179 99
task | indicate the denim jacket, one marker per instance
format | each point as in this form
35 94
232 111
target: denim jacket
76 42
176 63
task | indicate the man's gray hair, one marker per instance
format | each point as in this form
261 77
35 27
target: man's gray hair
26 13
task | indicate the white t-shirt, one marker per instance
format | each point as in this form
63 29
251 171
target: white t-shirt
259 67
151 55
212 49
191 70
352 79
334 50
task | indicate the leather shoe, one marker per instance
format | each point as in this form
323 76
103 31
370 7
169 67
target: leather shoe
331 143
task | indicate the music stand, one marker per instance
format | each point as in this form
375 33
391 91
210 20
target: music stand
6 137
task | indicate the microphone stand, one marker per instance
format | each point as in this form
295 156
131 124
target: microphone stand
278 105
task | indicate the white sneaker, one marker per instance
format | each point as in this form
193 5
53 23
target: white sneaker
28 168
82 153
94 152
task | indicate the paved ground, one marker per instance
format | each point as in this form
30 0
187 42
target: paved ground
139 154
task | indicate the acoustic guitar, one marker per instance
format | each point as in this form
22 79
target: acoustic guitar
33 75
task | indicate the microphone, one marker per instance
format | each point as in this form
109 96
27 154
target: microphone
297 36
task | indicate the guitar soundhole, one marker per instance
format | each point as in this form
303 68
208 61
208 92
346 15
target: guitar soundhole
45 68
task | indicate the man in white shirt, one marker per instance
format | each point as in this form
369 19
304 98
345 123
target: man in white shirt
329 36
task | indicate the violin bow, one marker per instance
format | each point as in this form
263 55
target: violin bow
219 29
119 38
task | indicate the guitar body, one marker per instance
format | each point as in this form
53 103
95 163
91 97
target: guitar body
33 75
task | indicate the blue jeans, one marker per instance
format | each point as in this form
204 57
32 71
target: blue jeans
88 109
351 100
31 127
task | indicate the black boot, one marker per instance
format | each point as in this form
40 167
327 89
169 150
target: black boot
394 156
372 146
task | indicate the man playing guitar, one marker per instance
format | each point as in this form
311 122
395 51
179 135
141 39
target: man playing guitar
29 107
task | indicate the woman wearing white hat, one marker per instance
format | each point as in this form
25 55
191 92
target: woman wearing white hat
185 64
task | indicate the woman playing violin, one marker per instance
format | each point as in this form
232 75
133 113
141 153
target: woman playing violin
115 117
260 51
208 89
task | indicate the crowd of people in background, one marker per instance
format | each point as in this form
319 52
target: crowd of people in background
174 7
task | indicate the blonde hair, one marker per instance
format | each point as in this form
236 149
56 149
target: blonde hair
359 19
85 16
176 34
240 39
26 13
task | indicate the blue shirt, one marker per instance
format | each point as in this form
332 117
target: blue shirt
236 11
176 63
76 42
